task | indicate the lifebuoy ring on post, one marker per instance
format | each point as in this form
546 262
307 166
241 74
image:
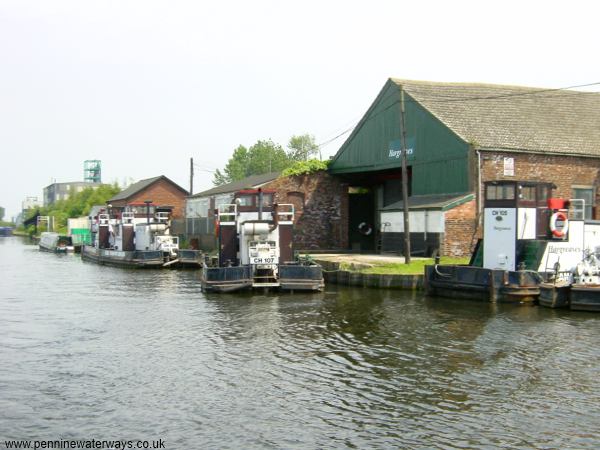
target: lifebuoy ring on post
561 230
365 229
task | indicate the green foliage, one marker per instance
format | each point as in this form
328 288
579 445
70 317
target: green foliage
265 157
78 204
417 266
2 212
305 167
30 230
302 147
237 165
219 178
262 157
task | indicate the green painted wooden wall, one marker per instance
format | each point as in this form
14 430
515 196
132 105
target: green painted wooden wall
440 159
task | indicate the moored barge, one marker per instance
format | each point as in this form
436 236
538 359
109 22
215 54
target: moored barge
555 294
138 236
528 237
255 248
55 243
585 297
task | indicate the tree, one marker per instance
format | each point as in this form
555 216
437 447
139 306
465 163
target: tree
262 157
235 169
219 178
303 147
77 204
2 212
265 157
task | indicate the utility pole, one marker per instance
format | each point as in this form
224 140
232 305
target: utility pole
191 176
404 182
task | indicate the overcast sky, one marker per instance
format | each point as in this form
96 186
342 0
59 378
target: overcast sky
145 85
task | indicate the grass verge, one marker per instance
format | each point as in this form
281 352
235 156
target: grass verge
415 267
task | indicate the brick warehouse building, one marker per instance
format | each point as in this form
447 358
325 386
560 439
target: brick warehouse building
458 136
160 190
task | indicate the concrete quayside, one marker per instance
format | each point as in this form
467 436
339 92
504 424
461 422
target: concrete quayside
347 269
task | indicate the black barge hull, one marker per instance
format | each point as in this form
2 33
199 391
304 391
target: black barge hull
477 283
192 259
226 279
237 278
127 259
554 295
585 297
298 277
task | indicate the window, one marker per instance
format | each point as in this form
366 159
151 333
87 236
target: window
587 195
500 192
544 192
267 200
527 193
245 200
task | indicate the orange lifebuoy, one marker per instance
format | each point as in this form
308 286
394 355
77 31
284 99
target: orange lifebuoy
559 232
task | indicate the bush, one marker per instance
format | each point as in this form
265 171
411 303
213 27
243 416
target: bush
305 167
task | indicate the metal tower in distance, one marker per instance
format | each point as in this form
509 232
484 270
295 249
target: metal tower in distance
92 171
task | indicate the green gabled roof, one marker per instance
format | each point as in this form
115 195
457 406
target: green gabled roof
509 118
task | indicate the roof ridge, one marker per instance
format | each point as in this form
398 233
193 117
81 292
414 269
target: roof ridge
515 118
402 81
140 185
234 185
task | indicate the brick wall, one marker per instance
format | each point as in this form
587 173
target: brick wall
161 192
564 171
321 205
460 227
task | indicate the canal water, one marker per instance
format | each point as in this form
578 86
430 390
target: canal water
92 352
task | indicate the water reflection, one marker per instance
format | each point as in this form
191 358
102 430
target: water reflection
85 348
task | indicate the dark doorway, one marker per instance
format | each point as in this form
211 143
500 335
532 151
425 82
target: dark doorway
362 220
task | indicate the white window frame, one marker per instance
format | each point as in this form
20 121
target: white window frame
589 208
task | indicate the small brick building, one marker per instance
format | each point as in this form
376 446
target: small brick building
159 190
459 135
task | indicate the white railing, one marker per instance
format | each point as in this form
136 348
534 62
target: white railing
103 219
227 213
162 217
48 220
285 212
127 217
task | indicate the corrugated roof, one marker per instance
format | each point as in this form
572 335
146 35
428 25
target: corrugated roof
512 117
440 202
141 185
252 182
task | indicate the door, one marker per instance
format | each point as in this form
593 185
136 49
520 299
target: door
362 221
